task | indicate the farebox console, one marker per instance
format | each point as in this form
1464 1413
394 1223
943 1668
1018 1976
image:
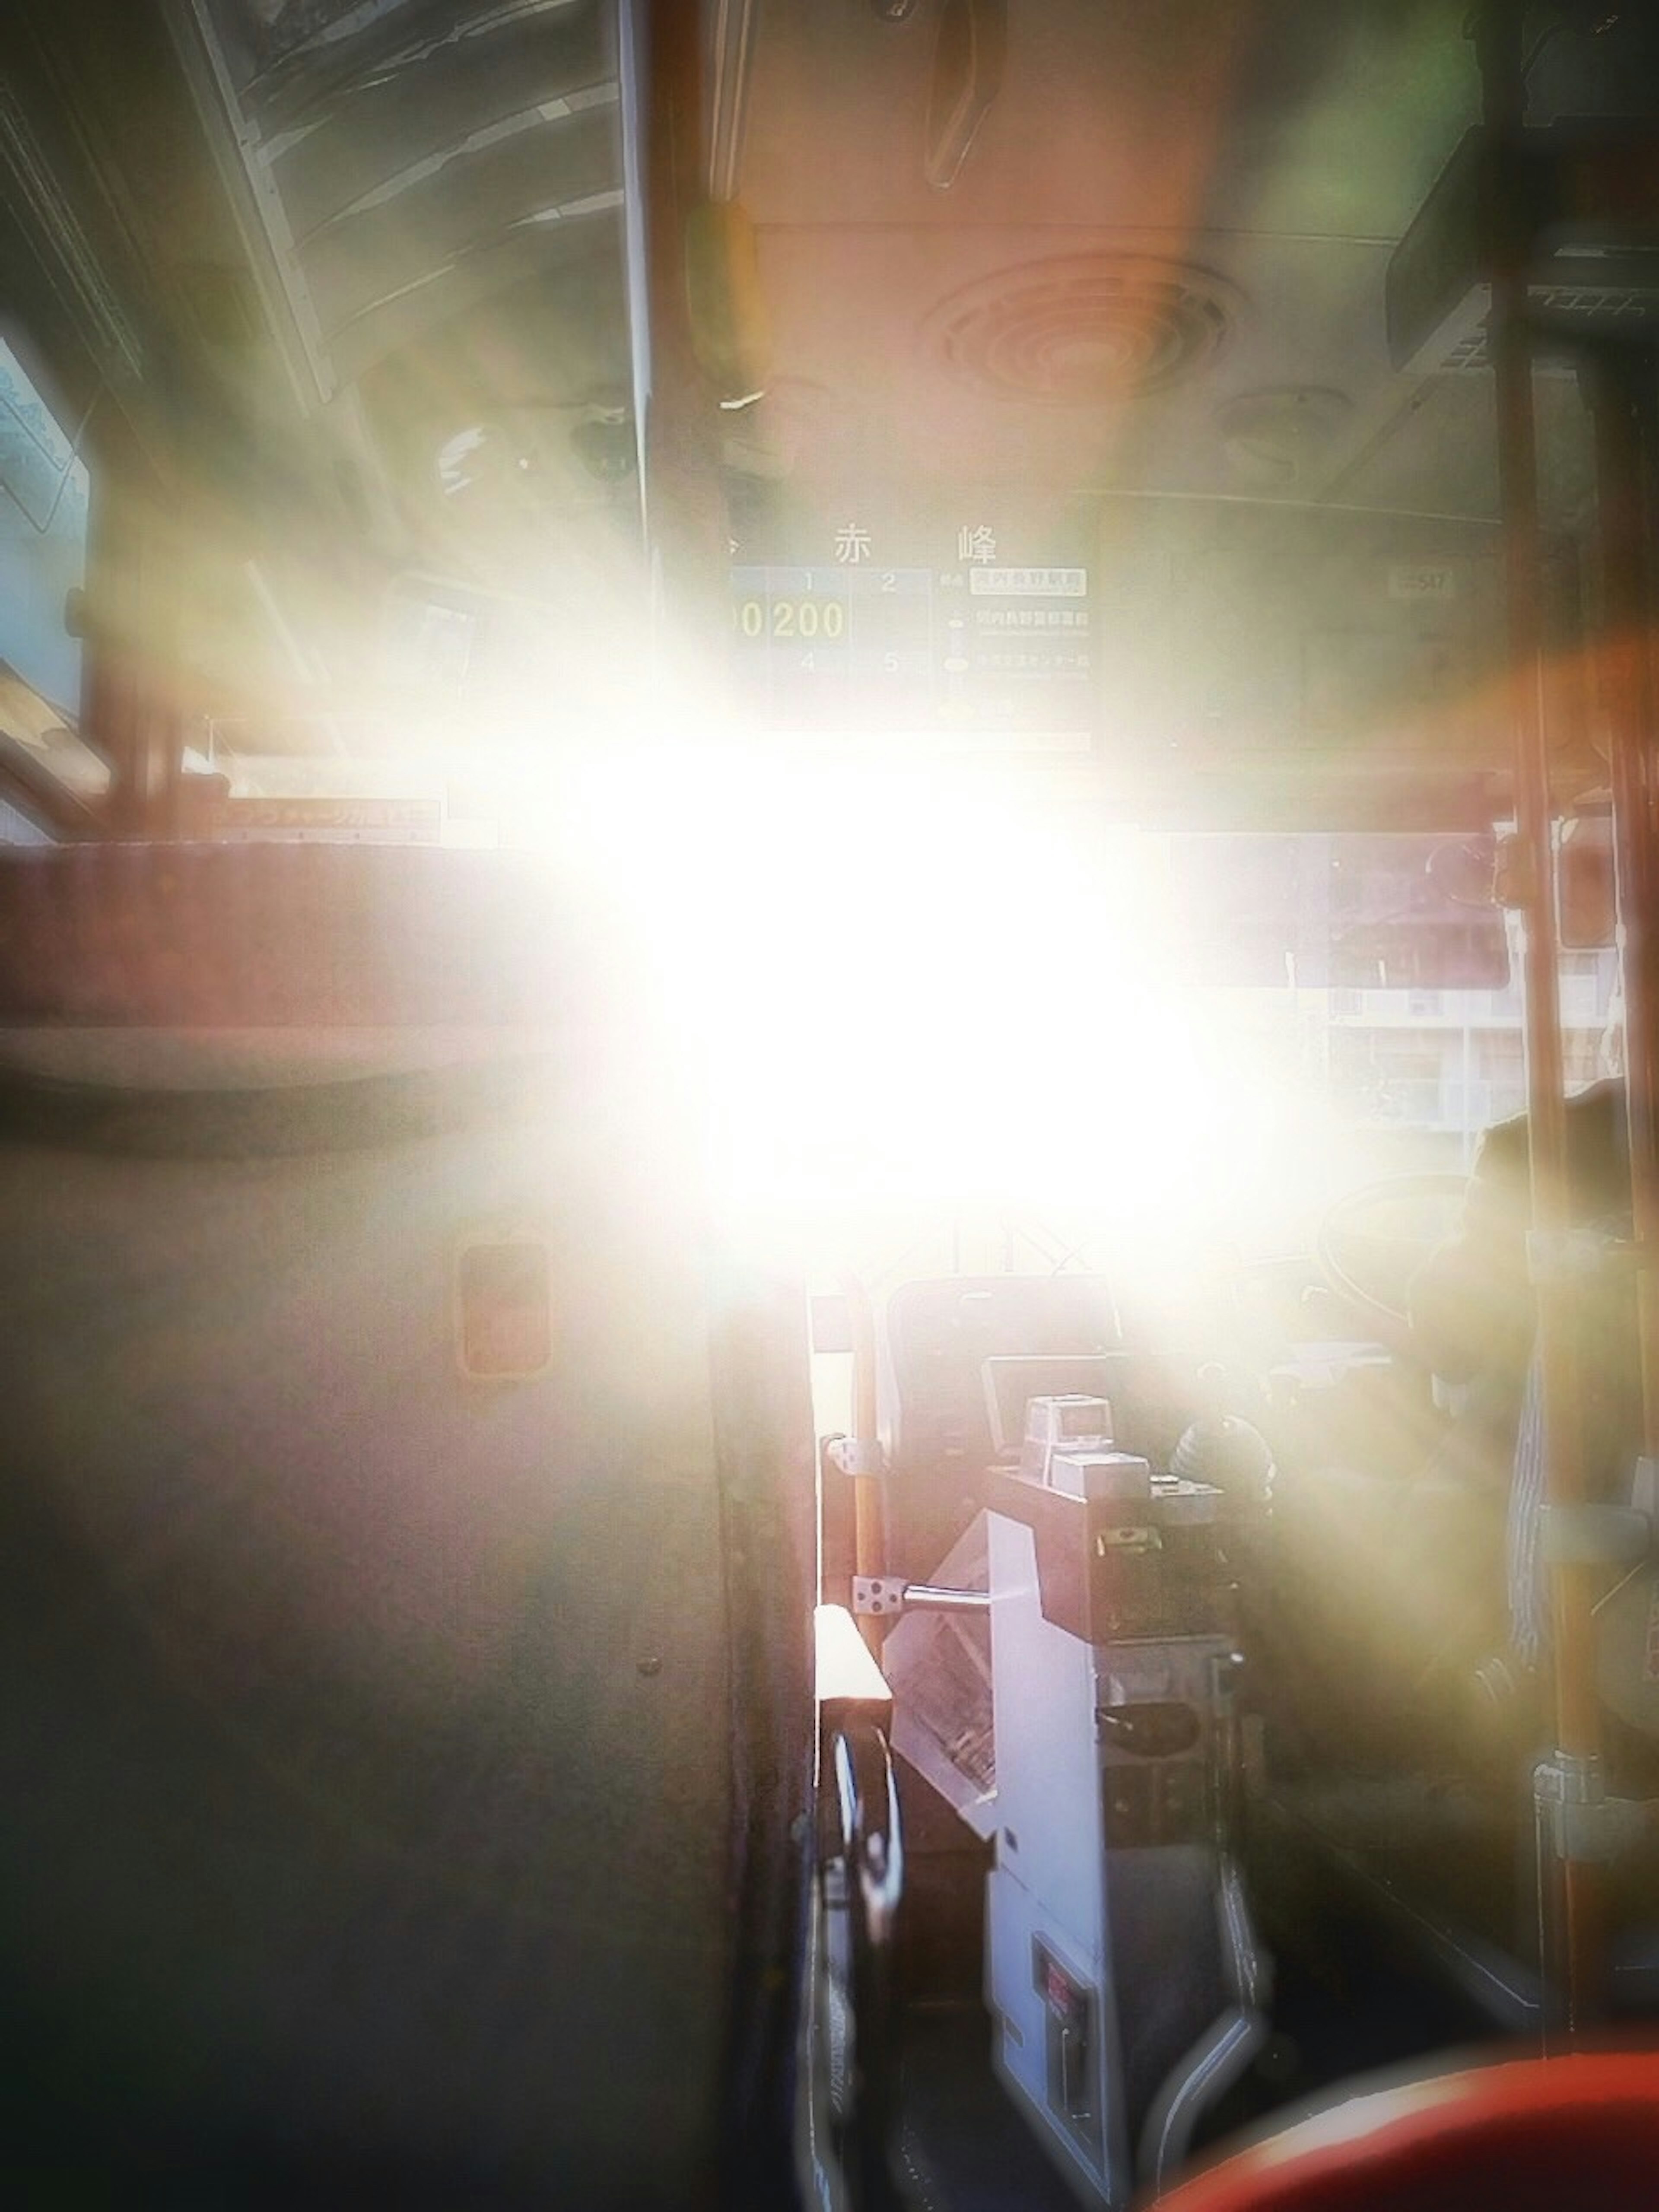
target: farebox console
1123 1978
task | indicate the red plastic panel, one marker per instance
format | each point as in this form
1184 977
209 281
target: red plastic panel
1563 2135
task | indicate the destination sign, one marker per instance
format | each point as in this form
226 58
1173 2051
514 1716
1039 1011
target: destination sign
971 633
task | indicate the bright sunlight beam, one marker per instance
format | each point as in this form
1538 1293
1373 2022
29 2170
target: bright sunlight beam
908 988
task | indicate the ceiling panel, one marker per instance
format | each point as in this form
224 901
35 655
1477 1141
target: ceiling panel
1327 118
1265 153
1293 311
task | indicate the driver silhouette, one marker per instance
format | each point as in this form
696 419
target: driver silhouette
1473 1323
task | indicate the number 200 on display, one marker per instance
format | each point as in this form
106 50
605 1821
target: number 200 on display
824 619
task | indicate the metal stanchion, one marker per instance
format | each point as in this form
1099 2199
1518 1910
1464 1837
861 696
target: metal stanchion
1572 1779
1627 702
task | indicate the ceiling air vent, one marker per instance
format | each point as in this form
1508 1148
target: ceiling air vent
1083 329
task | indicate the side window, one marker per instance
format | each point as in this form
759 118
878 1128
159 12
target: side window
45 500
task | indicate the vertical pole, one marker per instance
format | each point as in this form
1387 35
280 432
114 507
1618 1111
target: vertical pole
1575 1974
1640 934
1626 691
869 1511
678 423
128 620
1464 1115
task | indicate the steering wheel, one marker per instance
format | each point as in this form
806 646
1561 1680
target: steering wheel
1393 1256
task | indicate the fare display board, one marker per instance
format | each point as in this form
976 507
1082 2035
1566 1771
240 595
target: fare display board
973 633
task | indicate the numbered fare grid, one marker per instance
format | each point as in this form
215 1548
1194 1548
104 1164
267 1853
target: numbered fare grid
811 643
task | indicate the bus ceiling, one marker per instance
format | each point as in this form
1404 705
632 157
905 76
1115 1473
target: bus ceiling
1101 387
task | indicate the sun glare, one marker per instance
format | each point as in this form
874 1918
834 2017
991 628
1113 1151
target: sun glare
904 989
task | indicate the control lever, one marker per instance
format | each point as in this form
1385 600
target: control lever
1219 1448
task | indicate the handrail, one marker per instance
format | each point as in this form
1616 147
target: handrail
864 1838
862 1862
869 1508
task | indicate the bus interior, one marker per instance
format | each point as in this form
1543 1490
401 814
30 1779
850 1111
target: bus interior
829 1071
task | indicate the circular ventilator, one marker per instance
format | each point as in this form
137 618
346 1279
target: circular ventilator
1083 329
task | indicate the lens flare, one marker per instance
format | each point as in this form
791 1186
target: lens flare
905 993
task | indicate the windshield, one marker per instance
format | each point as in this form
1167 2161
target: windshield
970 1026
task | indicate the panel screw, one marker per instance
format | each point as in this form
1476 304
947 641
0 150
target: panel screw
650 1666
